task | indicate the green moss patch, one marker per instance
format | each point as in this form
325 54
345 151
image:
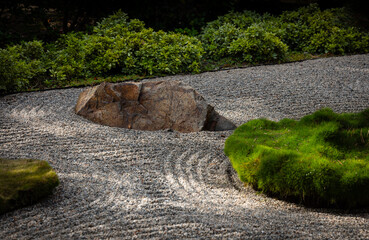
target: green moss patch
321 160
24 182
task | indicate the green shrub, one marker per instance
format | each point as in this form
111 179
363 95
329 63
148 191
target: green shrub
102 54
125 46
256 45
22 66
245 36
321 160
217 41
120 45
218 35
24 182
311 30
339 41
66 59
118 24
253 45
169 53
307 29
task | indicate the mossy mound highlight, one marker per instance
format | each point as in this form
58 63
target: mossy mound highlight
24 182
321 160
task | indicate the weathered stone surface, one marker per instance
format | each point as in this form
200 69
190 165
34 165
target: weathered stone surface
150 106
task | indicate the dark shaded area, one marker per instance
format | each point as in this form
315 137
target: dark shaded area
46 19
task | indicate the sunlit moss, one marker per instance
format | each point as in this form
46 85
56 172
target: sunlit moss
24 182
321 160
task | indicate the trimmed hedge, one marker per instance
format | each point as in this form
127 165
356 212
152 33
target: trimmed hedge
321 160
24 182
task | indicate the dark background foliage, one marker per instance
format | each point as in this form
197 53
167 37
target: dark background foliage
47 19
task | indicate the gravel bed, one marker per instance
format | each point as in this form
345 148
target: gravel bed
128 184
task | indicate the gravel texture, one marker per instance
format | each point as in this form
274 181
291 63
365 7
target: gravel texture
127 184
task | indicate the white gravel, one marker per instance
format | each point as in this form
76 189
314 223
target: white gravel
126 184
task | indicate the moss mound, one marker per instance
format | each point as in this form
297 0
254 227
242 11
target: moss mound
321 160
24 182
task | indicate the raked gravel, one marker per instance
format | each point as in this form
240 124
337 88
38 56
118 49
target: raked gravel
127 184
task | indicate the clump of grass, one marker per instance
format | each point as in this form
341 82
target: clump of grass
321 160
24 182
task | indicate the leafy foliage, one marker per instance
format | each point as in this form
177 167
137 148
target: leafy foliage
257 45
308 30
119 45
311 30
22 66
66 59
243 36
321 160
124 46
118 24
217 40
169 53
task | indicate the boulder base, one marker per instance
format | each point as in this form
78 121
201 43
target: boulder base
150 106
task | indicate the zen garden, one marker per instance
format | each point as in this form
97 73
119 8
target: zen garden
245 117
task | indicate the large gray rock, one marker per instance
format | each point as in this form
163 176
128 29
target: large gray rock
150 106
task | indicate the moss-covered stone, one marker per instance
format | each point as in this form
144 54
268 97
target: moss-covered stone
24 182
321 160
